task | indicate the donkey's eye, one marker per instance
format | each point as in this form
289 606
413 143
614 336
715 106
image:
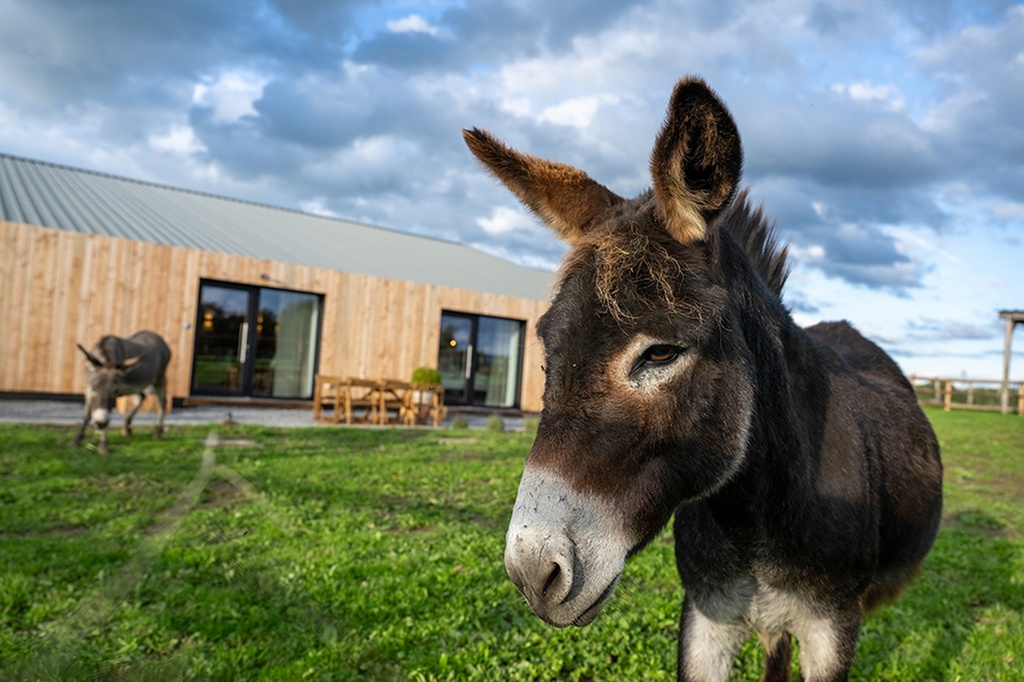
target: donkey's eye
661 354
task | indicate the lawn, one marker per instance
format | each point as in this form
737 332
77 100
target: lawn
357 553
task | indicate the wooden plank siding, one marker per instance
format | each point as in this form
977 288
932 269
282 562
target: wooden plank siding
61 287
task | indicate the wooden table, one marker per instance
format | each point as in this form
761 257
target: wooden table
377 401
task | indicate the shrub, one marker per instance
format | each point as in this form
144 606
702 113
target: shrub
426 375
494 423
460 423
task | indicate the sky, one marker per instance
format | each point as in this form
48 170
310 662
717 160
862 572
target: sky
885 138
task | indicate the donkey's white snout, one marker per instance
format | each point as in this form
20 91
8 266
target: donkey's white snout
100 417
564 550
541 567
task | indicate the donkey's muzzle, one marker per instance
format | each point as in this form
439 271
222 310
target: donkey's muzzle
100 418
562 550
543 573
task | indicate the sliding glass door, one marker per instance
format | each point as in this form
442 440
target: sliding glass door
255 341
480 359
222 340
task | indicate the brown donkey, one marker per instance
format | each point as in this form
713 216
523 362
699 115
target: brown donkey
805 481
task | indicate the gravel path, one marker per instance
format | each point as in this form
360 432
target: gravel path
64 412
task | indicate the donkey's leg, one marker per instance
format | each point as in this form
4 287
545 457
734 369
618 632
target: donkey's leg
126 428
827 645
85 424
778 652
160 387
103 440
708 644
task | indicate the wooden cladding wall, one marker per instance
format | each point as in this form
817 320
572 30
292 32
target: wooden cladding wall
61 287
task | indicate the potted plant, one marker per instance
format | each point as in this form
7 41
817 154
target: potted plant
426 375
426 381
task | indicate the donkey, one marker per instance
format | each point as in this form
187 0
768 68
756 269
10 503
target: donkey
115 367
805 480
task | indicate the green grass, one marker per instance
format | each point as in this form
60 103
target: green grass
353 554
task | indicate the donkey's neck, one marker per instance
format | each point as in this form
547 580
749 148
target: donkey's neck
791 386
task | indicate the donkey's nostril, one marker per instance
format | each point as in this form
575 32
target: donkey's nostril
556 571
558 581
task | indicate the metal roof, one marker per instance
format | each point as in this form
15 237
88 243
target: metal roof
50 195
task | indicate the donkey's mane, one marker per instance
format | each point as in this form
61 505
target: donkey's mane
757 237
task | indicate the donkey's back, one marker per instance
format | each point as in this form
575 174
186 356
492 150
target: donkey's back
148 347
897 447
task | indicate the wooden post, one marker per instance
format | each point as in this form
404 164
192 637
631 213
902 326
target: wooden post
1020 399
949 395
1004 394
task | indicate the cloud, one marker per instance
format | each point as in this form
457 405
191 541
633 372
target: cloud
888 96
318 206
928 329
413 23
231 95
871 130
180 140
504 220
578 112
981 74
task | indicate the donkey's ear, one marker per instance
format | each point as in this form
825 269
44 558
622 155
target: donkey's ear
565 198
696 160
93 360
129 363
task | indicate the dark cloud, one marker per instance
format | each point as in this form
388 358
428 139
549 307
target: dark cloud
797 302
60 53
945 330
491 31
317 21
840 143
935 17
978 116
827 19
364 121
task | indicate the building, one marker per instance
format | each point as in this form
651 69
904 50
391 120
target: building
253 300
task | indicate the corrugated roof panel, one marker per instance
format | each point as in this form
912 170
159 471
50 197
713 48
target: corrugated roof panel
49 195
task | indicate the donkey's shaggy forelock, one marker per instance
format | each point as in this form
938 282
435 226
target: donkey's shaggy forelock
639 267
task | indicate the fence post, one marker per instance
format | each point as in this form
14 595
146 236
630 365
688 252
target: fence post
949 395
1020 399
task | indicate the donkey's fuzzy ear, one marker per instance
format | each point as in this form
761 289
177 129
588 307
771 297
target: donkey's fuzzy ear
696 161
565 198
93 360
129 363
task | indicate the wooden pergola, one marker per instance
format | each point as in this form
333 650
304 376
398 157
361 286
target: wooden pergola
1013 318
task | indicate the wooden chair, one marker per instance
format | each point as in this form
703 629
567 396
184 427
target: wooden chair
361 395
424 402
394 395
327 394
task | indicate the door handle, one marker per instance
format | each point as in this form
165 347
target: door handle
243 343
468 370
